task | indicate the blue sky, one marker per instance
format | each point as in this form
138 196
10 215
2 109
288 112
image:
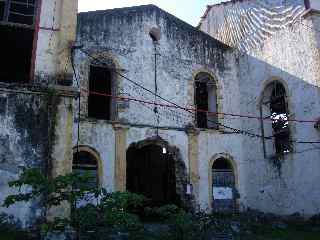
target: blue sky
188 10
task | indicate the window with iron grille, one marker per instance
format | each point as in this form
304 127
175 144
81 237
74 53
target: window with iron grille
223 186
18 11
85 164
17 20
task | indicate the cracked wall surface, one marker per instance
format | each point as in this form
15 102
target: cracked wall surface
122 36
24 143
33 134
36 118
282 49
277 40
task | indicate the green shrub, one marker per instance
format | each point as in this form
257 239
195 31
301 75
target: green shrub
10 229
124 201
112 212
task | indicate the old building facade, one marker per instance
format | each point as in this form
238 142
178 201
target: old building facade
36 93
279 45
152 43
166 110
255 86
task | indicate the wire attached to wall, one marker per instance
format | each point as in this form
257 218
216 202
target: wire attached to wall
156 110
79 96
235 130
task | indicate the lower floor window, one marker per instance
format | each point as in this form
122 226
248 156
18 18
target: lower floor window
85 164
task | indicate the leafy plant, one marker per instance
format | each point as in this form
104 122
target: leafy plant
94 212
10 229
167 211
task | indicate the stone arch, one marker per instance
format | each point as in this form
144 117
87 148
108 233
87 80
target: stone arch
234 167
96 155
174 155
270 80
218 91
105 57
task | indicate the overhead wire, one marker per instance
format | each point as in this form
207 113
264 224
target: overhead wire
186 109
235 130
201 110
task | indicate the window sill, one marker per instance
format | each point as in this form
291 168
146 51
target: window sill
96 120
210 130
17 25
40 89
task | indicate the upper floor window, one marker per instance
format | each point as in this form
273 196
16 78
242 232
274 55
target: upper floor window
18 11
274 105
17 19
101 101
206 101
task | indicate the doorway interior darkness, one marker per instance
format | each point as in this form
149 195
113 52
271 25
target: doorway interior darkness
151 172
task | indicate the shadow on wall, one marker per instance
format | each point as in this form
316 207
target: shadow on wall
280 165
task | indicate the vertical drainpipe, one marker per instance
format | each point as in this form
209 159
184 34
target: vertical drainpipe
35 40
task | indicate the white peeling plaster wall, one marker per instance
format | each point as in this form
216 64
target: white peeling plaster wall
99 136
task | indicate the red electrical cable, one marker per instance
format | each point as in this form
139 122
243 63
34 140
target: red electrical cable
191 109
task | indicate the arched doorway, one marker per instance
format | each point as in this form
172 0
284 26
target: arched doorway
151 171
223 186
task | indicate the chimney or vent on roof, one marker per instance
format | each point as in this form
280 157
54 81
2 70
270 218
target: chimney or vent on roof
155 34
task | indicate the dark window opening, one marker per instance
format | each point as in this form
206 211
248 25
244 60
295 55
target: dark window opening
100 85
16 54
85 164
152 173
2 10
202 104
17 18
276 133
279 117
206 100
18 11
221 164
22 13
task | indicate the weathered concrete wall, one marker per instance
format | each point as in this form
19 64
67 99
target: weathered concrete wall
29 133
122 35
133 51
240 77
292 58
56 32
24 143
279 43
314 4
247 24
36 122
99 136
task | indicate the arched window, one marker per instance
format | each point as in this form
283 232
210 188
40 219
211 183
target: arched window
84 163
274 105
223 186
206 99
101 104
